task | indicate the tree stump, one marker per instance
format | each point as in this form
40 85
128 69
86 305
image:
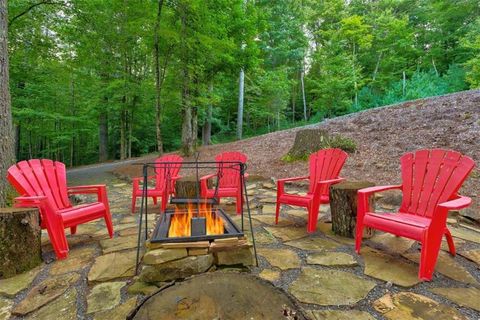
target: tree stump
186 187
343 207
20 240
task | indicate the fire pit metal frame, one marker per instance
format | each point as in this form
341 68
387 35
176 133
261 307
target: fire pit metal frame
242 167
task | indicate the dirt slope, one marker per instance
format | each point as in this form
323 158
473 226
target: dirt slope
382 136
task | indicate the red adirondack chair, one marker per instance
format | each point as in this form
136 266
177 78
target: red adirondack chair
229 184
43 184
325 166
430 181
165 172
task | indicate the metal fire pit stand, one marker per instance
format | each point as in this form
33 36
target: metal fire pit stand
167 166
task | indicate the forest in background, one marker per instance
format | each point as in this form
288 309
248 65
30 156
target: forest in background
93 80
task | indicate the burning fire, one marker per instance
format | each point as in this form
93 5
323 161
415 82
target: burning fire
180 223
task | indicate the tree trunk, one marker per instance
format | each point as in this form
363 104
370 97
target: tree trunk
20 241
7 143
207 126
103 137
302 75
158 106
343 207
240 104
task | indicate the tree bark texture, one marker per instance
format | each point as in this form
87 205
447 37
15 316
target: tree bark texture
20 240
343 206
103 137
7 141
158 106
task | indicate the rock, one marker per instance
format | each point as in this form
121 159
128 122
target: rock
64 308
119 243
409 305
326 229
104 296
269 185
464 297
392 243
177 269
281 258
5 307
45 292
128 232
128 220
390 269
269 209
332 259
261 237
329 287
269 275
120 312
241 256
288 233
298 213
159 256
473 255
471 213
270 220
11 286
139 287
465 234
448 266
113 266
339 315
320 244
77 259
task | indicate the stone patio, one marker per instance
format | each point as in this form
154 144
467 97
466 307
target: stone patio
320 270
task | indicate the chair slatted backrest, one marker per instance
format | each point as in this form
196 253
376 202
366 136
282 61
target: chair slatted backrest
325 164
41 177
431 177
166 171
229 172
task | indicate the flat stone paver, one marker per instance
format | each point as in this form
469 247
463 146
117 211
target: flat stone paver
113 266
11 286
104 296
330 287
64 307
281 258
119 312
473 255
118 244
392 243
448 266
332 259
288 233
313 243
5 308
339 315
382 266
465 234
409 305
77 259
270 275
270 220
465 297
160 256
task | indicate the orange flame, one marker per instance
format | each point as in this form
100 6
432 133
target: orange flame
180 222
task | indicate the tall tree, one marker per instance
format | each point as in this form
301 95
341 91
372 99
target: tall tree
7 155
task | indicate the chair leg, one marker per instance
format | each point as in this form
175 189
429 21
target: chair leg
277 211
73 230
428 257
59 242
451 244
134 202
239 204
358 236
155 200
108 222
312 219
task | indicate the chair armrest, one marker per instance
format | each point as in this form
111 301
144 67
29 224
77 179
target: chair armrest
329 182
292 179
85 189
460 203
141 178
209 176
30 200
371 190
175 178
204 184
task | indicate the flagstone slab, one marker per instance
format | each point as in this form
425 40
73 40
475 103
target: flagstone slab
45 292
313 243
464 297
288 233
270 220
177 269
113 266
392 243
118 244
64 307
261 237
5 308
104 296
472 255
77 259
159 256
330 287
409 305
281 258
465 234
127 220
332 259
385 267
11 286
140 287
448 266
339 315
128 232
270 275
119 312
269 209
298 213
268 200
326 229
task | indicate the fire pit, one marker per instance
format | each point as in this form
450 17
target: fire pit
194 235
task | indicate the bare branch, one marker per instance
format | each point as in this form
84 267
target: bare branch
33 6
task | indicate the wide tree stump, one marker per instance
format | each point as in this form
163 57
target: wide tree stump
186 187
343 207
20 240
